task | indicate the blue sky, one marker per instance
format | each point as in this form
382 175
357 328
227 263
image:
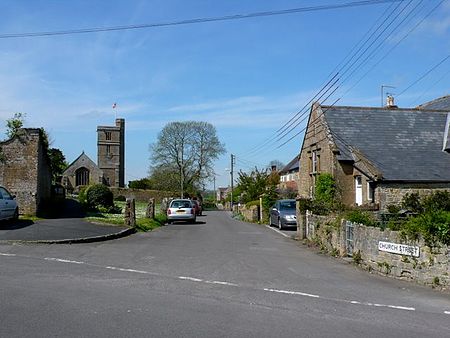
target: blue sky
246 77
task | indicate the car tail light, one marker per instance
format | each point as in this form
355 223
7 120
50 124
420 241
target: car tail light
168 211
192 211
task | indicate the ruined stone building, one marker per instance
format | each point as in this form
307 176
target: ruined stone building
110 167
25 170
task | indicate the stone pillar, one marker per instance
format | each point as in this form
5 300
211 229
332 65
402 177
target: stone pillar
150 212
301 222
130 213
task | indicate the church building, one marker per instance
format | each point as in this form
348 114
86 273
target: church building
110 167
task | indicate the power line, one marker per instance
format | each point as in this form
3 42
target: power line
426 73
197 20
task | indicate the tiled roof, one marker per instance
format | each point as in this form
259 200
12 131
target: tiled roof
402 144
442 103
293 165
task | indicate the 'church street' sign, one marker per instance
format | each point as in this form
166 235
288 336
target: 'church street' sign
400 249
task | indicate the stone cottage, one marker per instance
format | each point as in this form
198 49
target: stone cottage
25 169
376 155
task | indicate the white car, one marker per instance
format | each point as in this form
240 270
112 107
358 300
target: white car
181 210
8 205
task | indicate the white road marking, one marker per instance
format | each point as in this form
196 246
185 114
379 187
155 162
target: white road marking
62 260
221 283
192 279
447 312
293 293
126 270
276 230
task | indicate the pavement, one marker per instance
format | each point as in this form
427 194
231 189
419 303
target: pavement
69 227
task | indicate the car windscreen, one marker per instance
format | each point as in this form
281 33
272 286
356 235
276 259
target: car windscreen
180 204
287 205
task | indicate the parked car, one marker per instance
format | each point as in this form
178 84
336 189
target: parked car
181 210
283 214
8 205
198 207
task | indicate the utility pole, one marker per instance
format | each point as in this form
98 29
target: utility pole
231 174
215 193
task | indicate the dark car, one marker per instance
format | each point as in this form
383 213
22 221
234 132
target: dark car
283 214
198 207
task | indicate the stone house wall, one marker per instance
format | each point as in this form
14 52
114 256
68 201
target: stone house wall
432 267
394 193
25 170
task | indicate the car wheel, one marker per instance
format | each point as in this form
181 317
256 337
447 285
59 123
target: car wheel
280 225
16 214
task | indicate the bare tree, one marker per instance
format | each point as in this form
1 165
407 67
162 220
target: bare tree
191 148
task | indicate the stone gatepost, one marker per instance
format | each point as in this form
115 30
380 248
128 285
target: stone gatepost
150 212
301 221
130 213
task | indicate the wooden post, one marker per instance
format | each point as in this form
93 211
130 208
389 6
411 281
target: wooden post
130 213
150 212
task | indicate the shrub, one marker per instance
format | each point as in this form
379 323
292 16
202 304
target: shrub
412 202
99 195
433 226
439 200
82 198
360 217
120 198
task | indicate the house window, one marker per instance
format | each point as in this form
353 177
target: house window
108 135
315 161
108 149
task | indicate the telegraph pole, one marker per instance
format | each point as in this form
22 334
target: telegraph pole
231 174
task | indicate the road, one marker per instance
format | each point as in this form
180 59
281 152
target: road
217 278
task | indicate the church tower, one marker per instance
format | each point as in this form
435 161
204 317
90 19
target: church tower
111 153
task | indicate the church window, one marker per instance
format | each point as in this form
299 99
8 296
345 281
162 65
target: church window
108 135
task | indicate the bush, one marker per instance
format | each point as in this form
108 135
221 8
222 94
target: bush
439 200
412 202
434 226
120 198
82 198
99 195
360 217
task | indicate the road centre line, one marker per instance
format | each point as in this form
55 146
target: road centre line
62 260
447 312
297 293
193 279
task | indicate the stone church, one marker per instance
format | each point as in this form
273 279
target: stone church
110 167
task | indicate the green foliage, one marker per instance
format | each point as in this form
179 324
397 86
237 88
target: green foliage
14 124
252 185
148 224
357 258
393 208
434 226
120 198
325 191
439 200
57 162
412 202
360 217
99 195
82 194
252 203
143 183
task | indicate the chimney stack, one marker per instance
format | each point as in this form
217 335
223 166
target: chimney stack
390 102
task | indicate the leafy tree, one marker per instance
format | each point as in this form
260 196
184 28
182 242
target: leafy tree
275 163
14 124
57 162
189 149
143 183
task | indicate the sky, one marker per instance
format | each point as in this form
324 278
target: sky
251 78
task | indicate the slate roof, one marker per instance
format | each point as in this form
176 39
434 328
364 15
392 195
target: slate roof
442 103
293 165
403 144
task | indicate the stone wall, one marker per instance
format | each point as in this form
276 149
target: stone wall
250 214
432 267
142 195
394 193
25 171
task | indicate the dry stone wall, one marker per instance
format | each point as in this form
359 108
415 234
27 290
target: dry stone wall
431 267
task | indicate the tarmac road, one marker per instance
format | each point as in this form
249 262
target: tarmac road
217 278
